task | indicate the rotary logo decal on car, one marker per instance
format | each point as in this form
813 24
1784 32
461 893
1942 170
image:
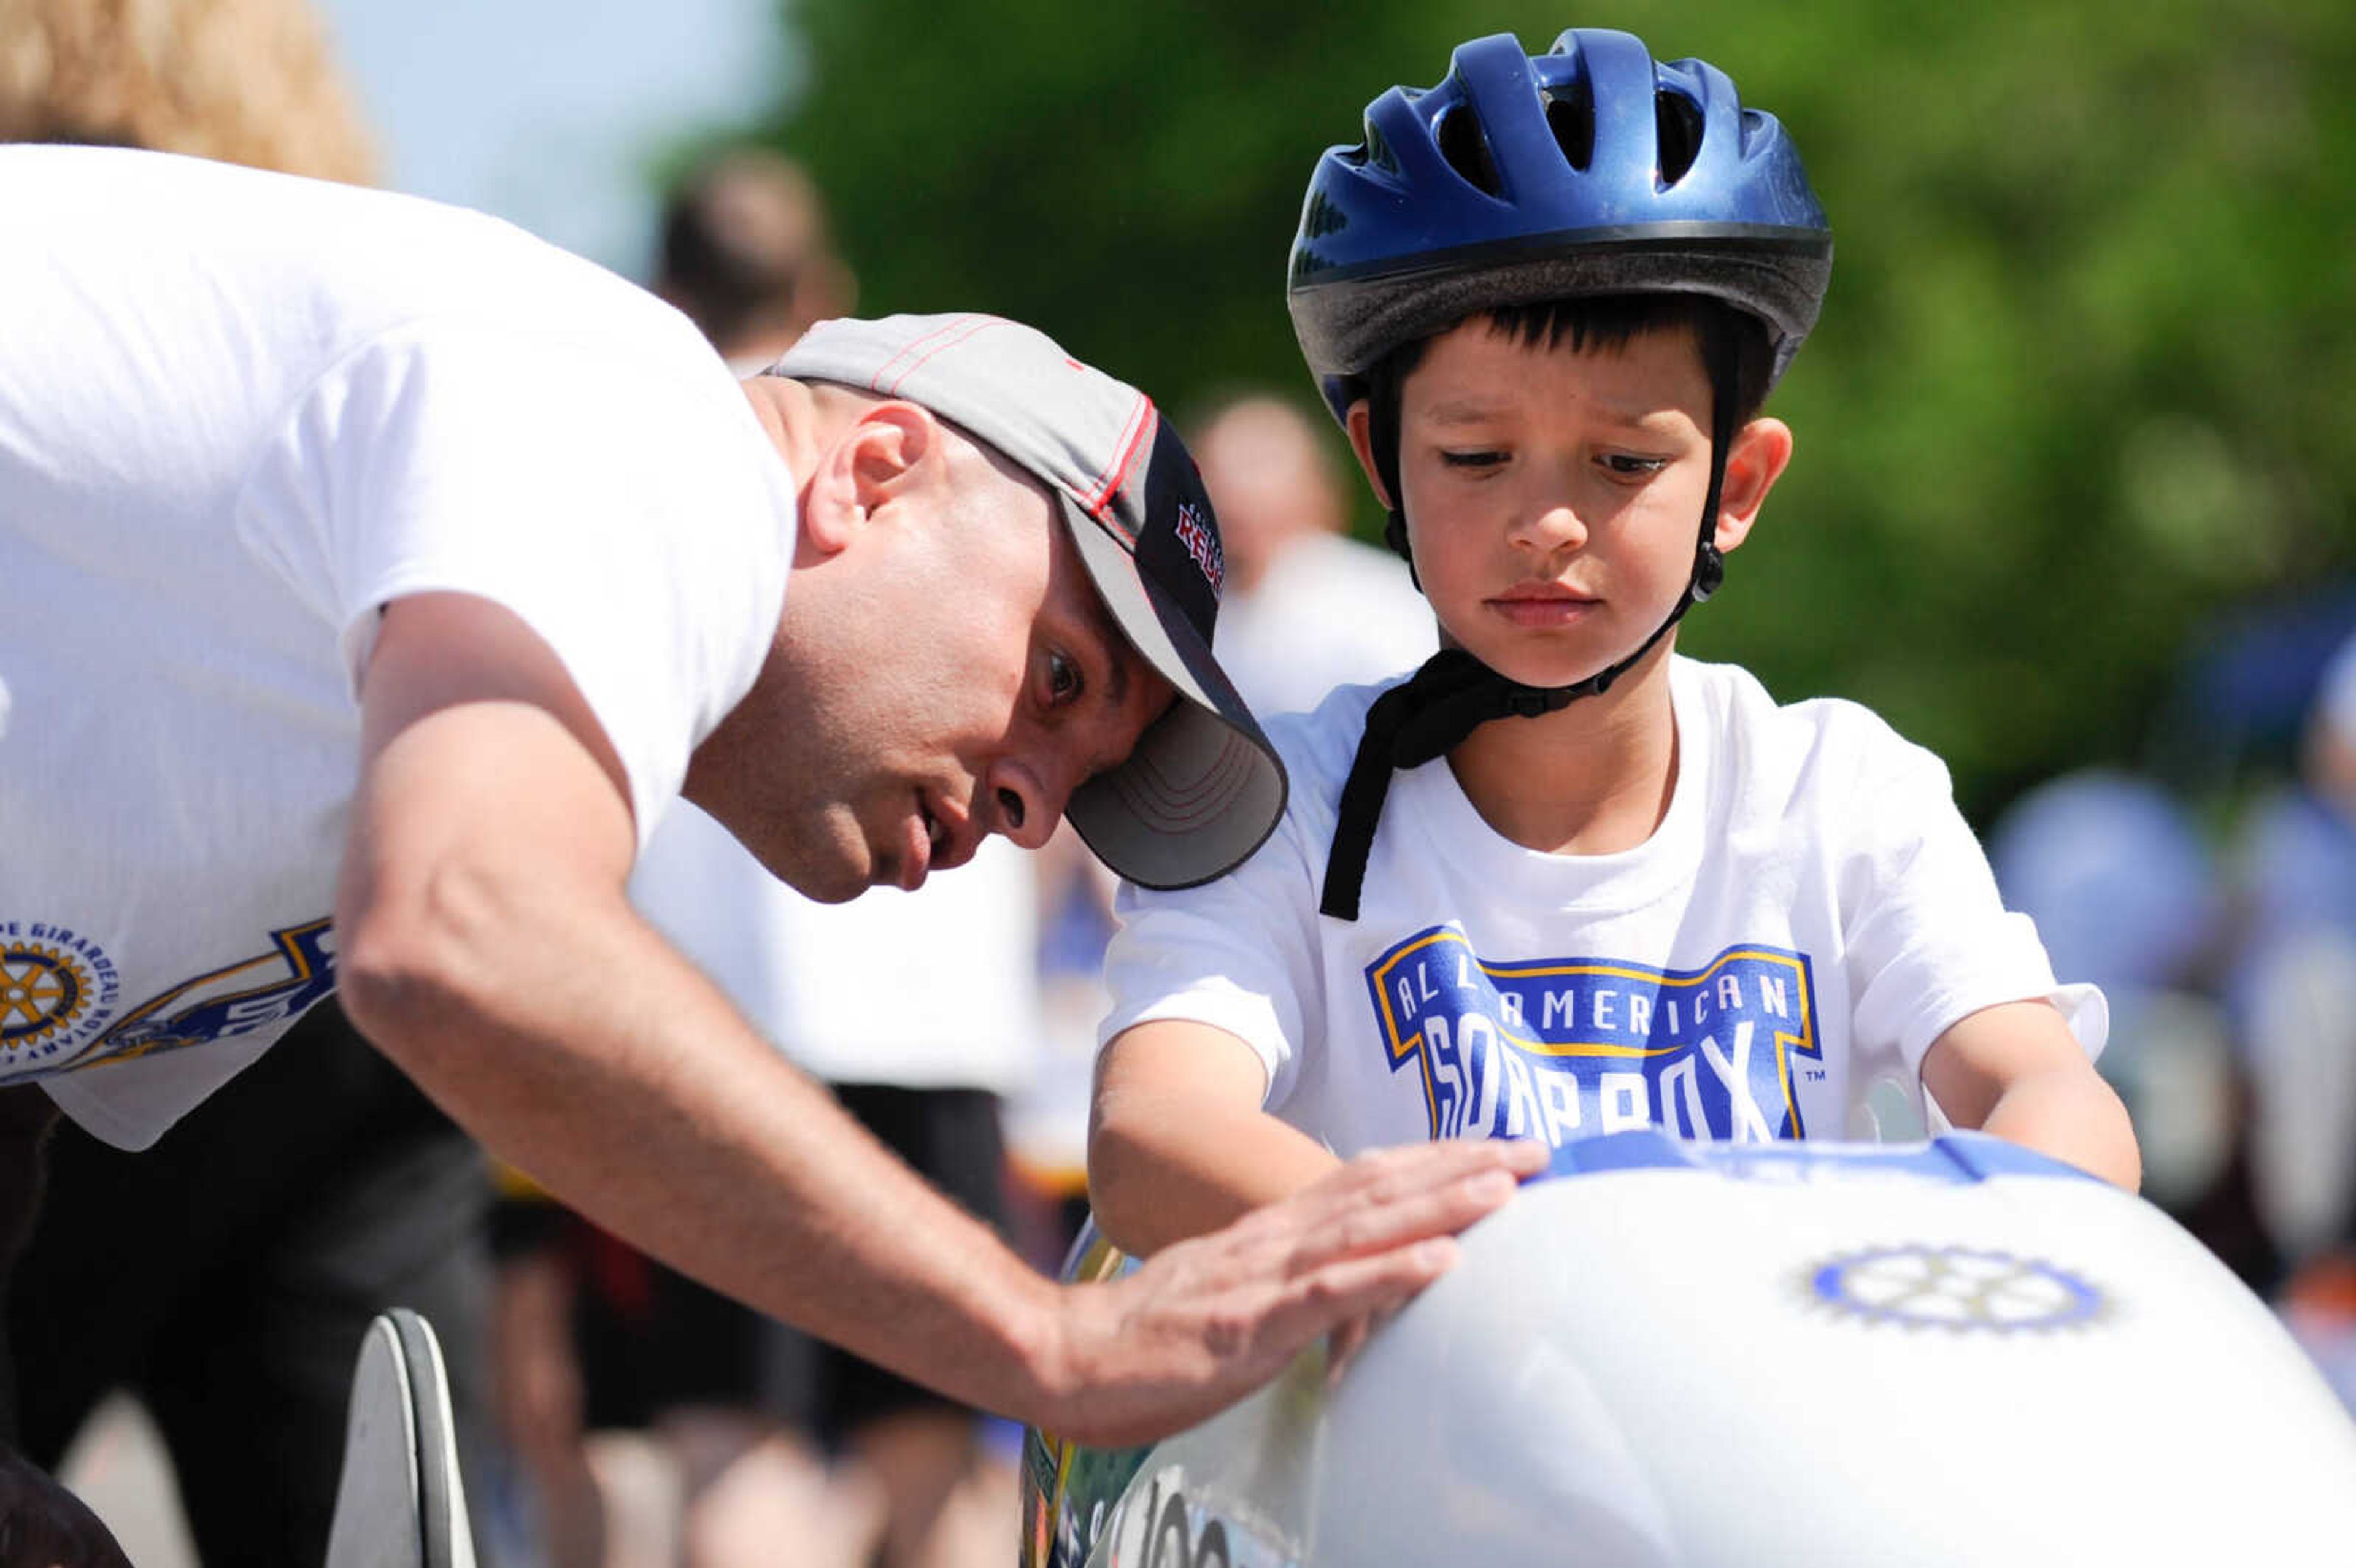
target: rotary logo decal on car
1962 1289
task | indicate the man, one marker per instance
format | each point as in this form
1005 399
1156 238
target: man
376 575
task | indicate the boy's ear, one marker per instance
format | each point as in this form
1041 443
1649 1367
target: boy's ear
1754 462
868 465
1360 423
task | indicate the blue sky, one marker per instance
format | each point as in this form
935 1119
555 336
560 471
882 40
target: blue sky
549 113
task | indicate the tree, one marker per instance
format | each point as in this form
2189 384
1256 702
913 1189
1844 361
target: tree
2079 383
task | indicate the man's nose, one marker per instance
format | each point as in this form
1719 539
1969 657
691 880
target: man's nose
1028 807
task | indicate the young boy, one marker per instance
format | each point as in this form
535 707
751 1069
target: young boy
1562 882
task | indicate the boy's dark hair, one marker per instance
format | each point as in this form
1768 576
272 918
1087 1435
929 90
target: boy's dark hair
1725 336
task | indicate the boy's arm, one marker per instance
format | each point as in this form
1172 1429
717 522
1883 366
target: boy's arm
2016 1070
1178 1145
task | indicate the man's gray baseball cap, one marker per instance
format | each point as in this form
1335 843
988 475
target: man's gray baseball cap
1203 787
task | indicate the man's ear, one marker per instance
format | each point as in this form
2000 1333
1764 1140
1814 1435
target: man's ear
878 458
1754 462
1358 421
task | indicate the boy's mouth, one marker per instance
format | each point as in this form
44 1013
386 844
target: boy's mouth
1542 604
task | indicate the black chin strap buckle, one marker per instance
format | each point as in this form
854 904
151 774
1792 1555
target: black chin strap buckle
1527 704
1709 571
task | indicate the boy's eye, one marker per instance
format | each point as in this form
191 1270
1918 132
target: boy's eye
1475 460
1628 465
1063 682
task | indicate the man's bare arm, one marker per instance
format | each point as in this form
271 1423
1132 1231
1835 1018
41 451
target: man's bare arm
487 947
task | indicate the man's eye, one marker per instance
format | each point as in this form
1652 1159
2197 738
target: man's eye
1063 682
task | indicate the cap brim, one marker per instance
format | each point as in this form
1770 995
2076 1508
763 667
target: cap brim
1204 788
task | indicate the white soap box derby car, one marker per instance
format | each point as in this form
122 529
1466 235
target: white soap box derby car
1956 1354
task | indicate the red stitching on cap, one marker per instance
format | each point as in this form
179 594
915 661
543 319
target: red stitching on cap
957 330
1124 457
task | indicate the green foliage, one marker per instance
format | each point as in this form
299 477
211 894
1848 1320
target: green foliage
2082 380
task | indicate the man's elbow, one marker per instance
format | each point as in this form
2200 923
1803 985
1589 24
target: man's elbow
407 968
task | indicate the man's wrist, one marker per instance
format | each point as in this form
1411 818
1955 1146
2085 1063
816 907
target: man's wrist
1048 1353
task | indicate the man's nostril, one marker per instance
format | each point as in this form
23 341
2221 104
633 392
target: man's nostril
1010 803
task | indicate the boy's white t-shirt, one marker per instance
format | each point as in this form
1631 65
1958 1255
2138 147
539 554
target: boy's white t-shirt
1812 913
238 414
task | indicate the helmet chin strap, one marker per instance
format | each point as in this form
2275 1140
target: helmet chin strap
1453 694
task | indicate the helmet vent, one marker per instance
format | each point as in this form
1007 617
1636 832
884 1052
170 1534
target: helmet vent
1467 150
1678 121
1570 115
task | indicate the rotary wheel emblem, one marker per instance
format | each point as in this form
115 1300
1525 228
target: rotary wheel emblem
1962 1289
42 991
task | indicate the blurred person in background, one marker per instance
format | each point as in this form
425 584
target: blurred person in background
244 81
2124 892
224 1279
2293 991
745 253
1308 607
693 1429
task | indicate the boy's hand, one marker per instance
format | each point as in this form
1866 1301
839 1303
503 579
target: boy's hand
1203 1322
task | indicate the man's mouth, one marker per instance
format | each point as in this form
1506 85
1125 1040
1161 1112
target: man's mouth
935 843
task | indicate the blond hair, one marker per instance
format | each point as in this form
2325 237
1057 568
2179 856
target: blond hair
248 81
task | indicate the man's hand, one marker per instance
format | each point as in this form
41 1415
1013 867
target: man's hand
42 1525
1207 1321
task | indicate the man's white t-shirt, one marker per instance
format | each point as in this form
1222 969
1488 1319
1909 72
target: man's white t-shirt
238 414
1812 913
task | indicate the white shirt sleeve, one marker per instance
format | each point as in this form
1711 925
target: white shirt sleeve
1929 940
621 509
1239 953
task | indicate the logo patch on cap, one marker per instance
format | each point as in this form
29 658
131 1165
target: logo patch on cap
1202 544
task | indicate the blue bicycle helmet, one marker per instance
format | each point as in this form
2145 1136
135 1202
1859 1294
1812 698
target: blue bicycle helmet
1520 179
1591 169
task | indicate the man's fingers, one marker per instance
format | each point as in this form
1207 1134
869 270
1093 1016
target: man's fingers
1389 1173
1387 1200
1208 1319
1342 1347
1347 1291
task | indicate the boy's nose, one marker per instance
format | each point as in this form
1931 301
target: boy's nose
1545 530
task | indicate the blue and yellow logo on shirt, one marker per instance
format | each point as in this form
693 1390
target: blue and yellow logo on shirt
1565 1048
